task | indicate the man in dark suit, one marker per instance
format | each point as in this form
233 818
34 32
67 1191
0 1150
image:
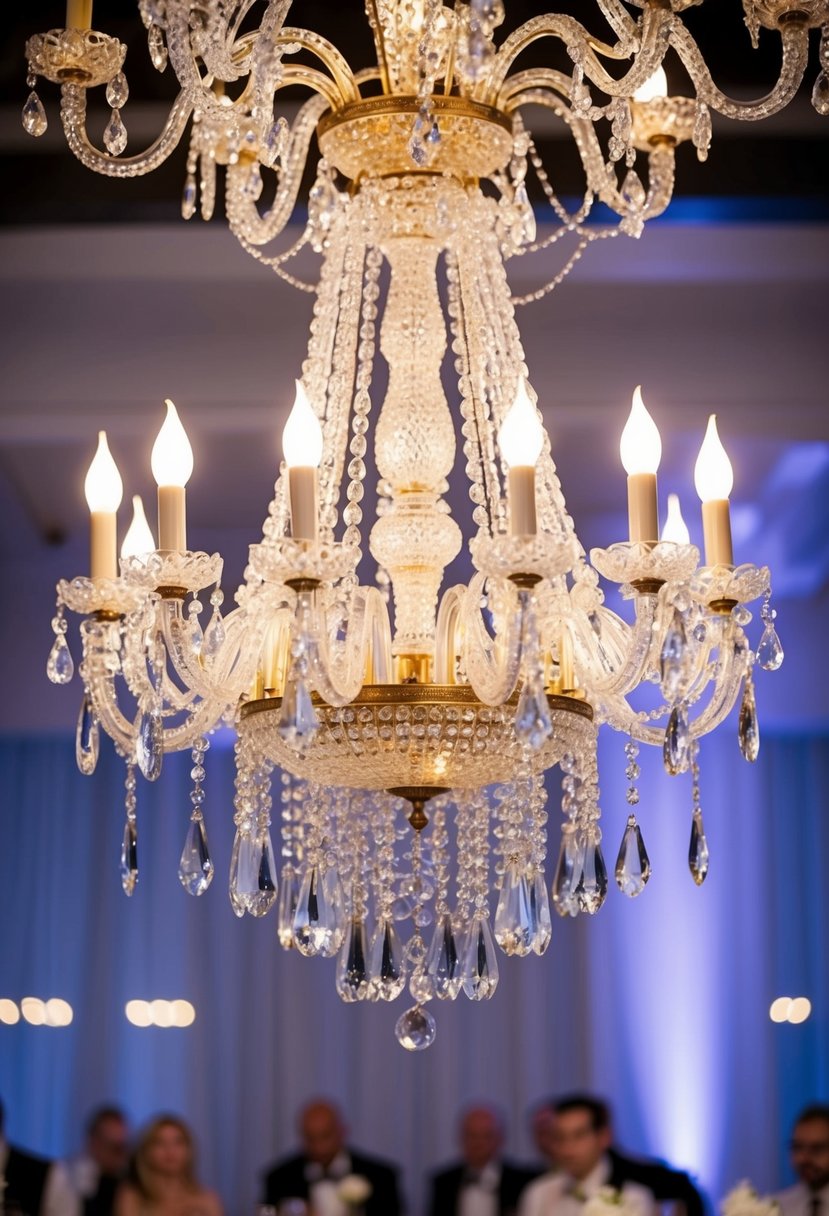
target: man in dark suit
482 1183
97 1174
30 1185
667 1185
329 1176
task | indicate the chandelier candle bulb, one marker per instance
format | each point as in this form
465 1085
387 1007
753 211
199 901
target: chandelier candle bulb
172 465
138 541
78 14
103 489
521 439
302 449
714 479
675 528
655 86
641 451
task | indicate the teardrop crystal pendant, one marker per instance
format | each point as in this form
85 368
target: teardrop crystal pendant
59 667
262 894
188 197
288 893
157 48
479 967
195 867
238 898
388 974
533 724
129 857
820 94
672 656
568 871
770 650
540 919
513 922
214 636
352 980
676 750
34 115
318 920
149 743
415 1029
298 721
591 888
117 91
442 963
115 134
698 849
633 867
633 192
748 728
87 739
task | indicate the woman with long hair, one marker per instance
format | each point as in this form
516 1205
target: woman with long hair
162 1179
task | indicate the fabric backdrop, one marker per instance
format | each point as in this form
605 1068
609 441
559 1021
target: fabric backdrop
661 1004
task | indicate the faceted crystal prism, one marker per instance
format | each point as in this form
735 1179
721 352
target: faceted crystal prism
591 888
242 883
540 920
533 724
352 971
676 750
415 1029
129 857
513 918
633 867
59 666
149 743
769 651
748 728
34 115
388 975
568 871
214 636
262 896
157 47
318 920
288 894
298 721
479 968
698 849
195 868
87 739
672 657
117 91
115 134
442 962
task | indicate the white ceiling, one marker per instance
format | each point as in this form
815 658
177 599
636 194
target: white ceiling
100 324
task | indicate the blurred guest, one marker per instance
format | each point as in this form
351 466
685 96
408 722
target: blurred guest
667 1185
809 1151
97 1174
483 1183
33 1186
577 1142
328 1175
163 1179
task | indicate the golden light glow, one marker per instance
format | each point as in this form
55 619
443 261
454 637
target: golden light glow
521 435
655 86
641 445
58 1012
103 486
302 434
9 1013
172 456
713 474
33 1010
780 1009
138 1013
799 1010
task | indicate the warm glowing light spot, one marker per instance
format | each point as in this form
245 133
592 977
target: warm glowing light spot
780 1009
183 1013
33 1010
800 1009
138 1012
58 1012
9 1013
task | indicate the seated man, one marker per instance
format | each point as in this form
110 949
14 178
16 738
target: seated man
327 1168
97 1174
33 1186
577 1144
483 1183
667 1185
809 1151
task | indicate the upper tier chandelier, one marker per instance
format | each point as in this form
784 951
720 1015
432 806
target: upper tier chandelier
454 715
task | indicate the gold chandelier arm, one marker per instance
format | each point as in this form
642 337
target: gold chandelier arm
573 34
379 43
328 55
73 117
795 44
298 73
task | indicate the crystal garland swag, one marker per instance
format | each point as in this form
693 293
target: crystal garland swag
481 690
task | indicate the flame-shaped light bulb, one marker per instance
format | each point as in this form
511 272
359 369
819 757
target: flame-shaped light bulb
640 448
714 480
139 540
103 489
521 440
172 465
675 528
302 443
655 86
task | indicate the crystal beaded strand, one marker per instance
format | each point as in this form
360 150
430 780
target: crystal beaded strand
479 963
387 963
129 844
291 843
60 666
537 838
571 850
698 847
195 870
442 959
353 979
633 867
263 893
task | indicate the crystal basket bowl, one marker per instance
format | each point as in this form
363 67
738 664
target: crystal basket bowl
393 736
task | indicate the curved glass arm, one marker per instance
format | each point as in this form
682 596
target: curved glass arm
73 117
448 634
573 34
339 664
623 649
795 41
493 664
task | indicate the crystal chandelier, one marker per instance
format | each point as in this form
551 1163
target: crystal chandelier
376 699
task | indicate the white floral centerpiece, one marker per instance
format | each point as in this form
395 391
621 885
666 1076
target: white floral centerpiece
609 1202
354 1190
744 1200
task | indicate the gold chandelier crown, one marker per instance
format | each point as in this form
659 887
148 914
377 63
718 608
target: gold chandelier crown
450 703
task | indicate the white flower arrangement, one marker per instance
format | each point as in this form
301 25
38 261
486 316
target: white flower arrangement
608 1202
354 1190
744 1200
